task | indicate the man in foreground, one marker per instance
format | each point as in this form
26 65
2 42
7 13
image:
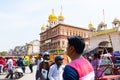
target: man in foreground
79 68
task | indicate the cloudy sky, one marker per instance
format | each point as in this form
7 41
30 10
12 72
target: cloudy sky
21 20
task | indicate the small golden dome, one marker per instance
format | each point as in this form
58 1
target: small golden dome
52 16
90 24
60 16
43 27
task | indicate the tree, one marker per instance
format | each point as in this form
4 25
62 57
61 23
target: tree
3 53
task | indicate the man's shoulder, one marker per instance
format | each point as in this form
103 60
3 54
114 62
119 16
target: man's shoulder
10 60
69 68
51 62
48 62
53 66
70 73
42 63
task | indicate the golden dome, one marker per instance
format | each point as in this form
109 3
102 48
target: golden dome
60 16
52 16
90 24
43 27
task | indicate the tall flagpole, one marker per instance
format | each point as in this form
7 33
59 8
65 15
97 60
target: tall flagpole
108 33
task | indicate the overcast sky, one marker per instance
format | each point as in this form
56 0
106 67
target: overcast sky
21 20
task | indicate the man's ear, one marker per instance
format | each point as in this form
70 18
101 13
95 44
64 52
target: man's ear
71 48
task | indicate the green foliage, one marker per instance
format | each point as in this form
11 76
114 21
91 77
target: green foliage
3 53
56 50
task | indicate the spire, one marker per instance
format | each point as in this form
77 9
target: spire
61 10
52 11
103 16
60 17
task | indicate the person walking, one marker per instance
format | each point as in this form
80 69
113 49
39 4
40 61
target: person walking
56 70
79 68
20 63
40 59
32 62
99 72
2 64
10 68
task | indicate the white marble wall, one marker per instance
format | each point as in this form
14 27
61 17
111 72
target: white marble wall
115 38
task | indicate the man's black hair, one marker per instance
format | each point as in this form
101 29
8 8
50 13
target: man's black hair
78 43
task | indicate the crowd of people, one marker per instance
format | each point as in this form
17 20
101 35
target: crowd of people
8 64
79 68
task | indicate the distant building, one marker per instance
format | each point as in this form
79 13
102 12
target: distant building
30 48
33 47
10 52
20 51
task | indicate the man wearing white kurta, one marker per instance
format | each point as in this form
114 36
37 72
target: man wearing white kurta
56 70
10 67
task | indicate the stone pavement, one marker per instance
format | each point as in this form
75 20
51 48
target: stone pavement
27 76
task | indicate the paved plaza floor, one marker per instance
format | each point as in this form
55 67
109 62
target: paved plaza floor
27 76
